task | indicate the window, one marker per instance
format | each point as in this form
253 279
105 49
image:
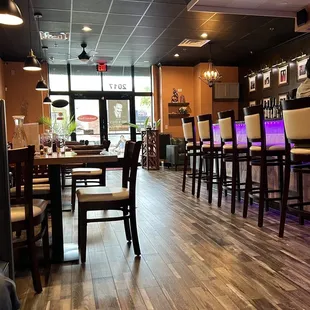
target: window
142 80
117 79
58 78
84 77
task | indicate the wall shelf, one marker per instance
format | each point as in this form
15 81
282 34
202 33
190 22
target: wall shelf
177 115
178 104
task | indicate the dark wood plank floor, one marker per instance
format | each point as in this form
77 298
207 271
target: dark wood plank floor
194 256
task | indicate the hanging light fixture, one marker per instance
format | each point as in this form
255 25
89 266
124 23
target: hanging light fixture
10 13
210 76
47 100
41 85
31 62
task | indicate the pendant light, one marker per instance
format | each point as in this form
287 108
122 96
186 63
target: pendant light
47 100
41 85
10 13
31 62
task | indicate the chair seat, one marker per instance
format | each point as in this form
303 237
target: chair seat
98 194
300 151
40 180
38 189
18 211
86 171
230 146
207 146
277 147
190 145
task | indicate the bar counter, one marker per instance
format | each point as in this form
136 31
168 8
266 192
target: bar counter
274 135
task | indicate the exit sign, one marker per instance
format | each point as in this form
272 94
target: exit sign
102 67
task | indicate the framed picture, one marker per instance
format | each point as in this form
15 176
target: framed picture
283 79
266 79
252 83
301 70
266 102
283 97
252 103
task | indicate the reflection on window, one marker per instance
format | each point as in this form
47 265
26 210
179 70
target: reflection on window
58 78
117 79
84 77
87 119
142 79
143 110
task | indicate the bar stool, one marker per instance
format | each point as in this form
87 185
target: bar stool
191 149
231 153
262 155
296 115
209 153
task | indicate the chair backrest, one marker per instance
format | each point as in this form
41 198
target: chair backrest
296 116
255 126
205 129
227 127
189 130
130 166
22 162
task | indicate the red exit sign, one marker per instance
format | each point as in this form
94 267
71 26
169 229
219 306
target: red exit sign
102 67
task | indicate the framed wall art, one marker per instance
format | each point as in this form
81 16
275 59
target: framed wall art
266 79
301 70
252 83
283 75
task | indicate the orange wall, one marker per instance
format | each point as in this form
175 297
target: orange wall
180 78
156 92
196 92
21 96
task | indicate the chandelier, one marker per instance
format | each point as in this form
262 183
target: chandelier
211 76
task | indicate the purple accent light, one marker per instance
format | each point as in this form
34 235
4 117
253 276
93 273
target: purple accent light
274 132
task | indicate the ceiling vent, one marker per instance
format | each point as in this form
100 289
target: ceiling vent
62 36
193 43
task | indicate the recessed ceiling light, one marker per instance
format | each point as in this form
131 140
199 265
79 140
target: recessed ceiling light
86 29
204 35
145 61
176 55
271 29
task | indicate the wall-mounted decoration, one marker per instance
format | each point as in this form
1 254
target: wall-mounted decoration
266 102
175 96
252 83
252 103
283 97
266 79
301 69
283 72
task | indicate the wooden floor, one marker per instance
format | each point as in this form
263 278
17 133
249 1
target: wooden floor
194 256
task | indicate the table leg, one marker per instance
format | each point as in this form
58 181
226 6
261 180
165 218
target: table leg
60 252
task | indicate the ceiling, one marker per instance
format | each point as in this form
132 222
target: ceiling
143 32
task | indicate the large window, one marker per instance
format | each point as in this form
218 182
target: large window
142 80
117 79
58 78
84 77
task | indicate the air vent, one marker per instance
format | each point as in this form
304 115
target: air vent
193 43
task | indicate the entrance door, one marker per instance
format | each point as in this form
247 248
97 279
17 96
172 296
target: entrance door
87 117
118 116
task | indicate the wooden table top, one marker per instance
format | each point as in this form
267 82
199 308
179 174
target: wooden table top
71 158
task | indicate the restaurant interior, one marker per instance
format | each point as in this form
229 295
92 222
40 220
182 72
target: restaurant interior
154 154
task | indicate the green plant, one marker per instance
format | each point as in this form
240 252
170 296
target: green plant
137 127
64 127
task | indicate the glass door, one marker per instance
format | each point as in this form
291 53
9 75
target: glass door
87 117
118 116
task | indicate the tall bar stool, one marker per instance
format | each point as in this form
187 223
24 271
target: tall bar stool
231 153
191 149
210 152
296 115
262 155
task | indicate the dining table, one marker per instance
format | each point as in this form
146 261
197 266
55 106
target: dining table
61 251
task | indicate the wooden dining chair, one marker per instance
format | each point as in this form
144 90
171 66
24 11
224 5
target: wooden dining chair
89 172
122 198
296 115
26 212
